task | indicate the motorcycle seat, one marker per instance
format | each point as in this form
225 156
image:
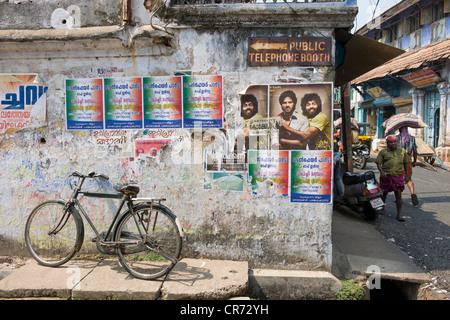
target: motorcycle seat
356 146
350 178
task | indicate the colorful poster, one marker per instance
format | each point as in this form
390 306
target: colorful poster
227 181
123 103
311 176
202 101
163 104
149 147
269 170
22 102
305 116
84 104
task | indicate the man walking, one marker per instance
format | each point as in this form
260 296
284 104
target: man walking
391 162
408 142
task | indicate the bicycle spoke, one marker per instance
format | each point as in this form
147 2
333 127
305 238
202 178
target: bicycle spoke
160 244
51 234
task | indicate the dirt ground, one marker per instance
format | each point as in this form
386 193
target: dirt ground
8 263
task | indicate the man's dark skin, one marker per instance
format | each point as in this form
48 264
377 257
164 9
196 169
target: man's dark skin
392 145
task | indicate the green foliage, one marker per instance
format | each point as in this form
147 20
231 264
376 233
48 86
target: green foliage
351 290
151 257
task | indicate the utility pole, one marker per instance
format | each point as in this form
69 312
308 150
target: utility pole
346 126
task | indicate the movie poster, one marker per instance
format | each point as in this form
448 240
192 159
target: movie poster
305 115
253 124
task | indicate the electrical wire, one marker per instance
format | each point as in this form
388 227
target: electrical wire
374 10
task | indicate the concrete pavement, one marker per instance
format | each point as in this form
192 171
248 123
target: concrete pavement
358 249
84 279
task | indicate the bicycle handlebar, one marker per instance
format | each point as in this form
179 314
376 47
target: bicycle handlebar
90 175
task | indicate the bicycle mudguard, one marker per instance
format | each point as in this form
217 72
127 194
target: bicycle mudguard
170 213
156 206
76 216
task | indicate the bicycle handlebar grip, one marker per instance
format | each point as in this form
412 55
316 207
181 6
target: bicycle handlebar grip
77 174
90 175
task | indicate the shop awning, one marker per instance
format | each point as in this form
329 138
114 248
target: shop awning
358 55
409 61
377 103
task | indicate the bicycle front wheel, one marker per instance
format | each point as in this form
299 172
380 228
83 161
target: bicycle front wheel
149 242
52 233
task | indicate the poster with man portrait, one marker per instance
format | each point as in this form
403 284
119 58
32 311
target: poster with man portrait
304 115
252 120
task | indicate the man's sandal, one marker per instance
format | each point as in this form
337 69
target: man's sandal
414 200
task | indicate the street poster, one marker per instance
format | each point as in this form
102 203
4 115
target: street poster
84 104
226 181
302 108
311 173
202 101
218 160
149 147
123 103
163 104
269 169
22 102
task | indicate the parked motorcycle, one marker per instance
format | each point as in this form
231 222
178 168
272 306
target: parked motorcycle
358 191
360 151
360 155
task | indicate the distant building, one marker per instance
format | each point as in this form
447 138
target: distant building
417 81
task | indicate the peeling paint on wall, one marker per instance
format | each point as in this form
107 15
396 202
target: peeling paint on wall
66 19
267 231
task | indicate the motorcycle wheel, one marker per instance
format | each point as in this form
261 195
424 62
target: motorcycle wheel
359 161
370 213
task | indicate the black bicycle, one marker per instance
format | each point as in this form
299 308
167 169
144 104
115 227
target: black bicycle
147 236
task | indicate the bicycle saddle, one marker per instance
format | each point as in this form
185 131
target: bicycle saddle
130 190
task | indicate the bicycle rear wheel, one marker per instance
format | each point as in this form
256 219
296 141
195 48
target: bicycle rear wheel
52 233
149 241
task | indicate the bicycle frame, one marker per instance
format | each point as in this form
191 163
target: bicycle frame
144 234
76 205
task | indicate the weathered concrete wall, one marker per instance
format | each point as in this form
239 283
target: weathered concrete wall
265 230
61 14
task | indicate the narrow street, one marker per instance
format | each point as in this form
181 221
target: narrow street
425 234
